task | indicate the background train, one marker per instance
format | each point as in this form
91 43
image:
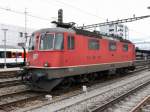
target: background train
14 56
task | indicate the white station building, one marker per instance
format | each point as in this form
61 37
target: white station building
115 29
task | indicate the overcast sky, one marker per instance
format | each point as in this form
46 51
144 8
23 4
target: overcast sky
80 12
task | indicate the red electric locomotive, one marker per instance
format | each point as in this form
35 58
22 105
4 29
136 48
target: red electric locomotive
65 54
59 54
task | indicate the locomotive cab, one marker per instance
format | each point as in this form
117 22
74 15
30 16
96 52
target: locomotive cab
46 49
45 57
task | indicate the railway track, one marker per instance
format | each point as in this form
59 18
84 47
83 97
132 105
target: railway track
9 100
18 95
92 100
77 95
9 73
125 102
7 82
12 89
137 101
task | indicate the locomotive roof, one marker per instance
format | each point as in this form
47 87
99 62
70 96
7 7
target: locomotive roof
58 29
82 32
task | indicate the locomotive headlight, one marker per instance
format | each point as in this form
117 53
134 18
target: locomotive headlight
27 63
46 64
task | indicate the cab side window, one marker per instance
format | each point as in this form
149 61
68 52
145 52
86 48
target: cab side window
112 46
71 42
93 44
125 47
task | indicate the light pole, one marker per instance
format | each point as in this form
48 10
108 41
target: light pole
25 33
5 30
149 8
149 61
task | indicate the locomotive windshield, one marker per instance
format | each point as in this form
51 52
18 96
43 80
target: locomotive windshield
51 42
32 42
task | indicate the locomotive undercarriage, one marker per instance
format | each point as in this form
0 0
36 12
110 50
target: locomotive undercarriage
45 79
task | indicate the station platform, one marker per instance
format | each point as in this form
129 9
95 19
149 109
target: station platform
10 69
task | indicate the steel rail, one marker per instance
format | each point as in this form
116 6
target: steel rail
117 99
10 83
137 108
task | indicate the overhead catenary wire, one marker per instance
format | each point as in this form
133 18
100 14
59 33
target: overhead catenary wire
120 21
41 18
22 13
74 7
142 42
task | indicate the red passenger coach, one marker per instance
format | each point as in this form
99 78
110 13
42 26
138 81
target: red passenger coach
58 55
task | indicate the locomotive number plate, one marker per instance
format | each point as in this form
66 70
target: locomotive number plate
35 56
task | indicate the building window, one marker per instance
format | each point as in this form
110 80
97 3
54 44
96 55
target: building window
21 34
111 30
2 54
125 47
120 30
71 42
111 25
112 46
93 44
8 54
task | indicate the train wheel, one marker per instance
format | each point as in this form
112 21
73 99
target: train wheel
66 83
92 77
122 71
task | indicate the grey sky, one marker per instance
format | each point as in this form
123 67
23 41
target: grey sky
79 11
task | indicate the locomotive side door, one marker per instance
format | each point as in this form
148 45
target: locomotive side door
69 55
